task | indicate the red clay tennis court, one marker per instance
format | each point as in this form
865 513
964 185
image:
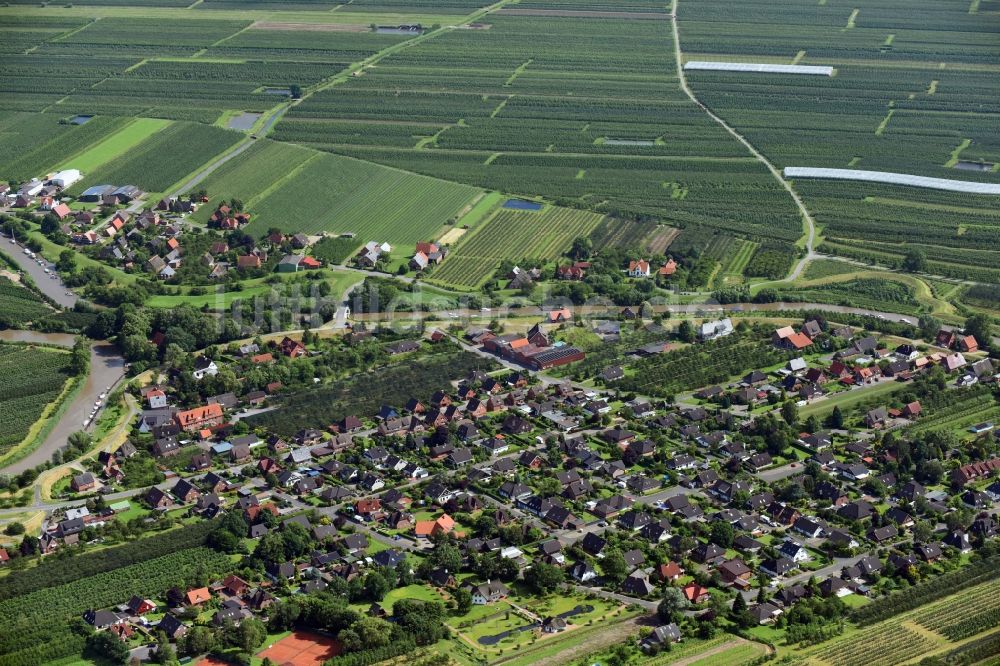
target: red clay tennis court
302 648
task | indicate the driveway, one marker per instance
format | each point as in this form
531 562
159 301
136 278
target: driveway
778 473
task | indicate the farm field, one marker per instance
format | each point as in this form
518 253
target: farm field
575 120
250 175
976 407
33 144
879 294
30 378
39 628
115 145
369 200
934 628
117 61
19 306
915 91
164 158
513 235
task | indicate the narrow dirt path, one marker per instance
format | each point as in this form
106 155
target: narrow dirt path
810 223
614 634
722 647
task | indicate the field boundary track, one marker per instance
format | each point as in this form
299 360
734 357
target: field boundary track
810 223
583 13
309 27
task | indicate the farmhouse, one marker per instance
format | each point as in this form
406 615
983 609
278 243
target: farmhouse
638 268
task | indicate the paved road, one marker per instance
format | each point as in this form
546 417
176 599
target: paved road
777 473
53 288
648 605
107 368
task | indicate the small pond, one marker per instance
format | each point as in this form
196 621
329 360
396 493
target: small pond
967 165
521 204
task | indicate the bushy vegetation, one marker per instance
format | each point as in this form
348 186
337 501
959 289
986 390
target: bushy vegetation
45 624
18 305
366 393
30 378
513 235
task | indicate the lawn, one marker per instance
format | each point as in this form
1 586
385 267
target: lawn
855 600
416 591
115 145
848 399
503 618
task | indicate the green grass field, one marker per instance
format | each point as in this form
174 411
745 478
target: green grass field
339 282
848 399
115 145
734 656
164 158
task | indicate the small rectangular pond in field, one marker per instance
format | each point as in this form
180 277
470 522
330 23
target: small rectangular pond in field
278 91
521 204
968 165
80 120
243 122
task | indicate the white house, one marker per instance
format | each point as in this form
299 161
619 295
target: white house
488 592
157 399
794 551
203 367
638 268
